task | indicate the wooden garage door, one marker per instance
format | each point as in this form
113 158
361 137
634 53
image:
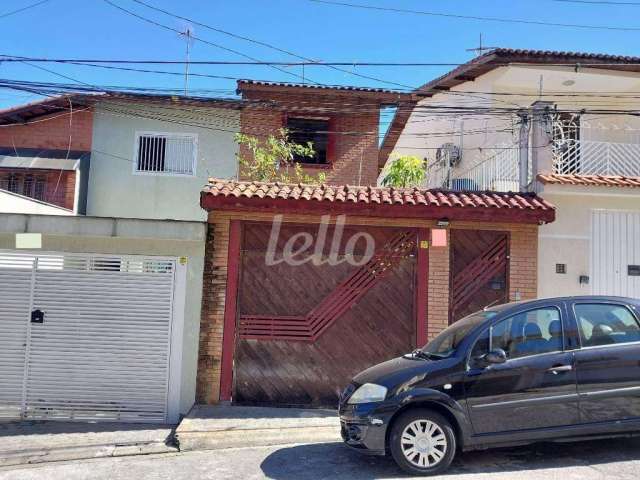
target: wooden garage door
305 330
479 261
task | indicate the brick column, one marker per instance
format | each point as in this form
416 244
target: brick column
212 319
438 306
523 263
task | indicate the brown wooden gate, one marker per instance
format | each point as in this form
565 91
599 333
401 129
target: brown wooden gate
304 330
479 262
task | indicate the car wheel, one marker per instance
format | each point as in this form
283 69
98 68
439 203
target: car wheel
422 442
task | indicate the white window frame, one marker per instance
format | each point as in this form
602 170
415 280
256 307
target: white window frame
136 143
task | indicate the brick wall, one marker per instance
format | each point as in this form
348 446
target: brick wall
52 132
354 120
522 279
523 263
438 290
212 321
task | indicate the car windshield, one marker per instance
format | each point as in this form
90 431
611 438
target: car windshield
446 343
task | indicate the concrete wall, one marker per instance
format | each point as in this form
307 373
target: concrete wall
128 236
115 191
11 202
568 239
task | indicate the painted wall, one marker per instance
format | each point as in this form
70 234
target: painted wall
133 237
11 202
568 239
115 191
519 86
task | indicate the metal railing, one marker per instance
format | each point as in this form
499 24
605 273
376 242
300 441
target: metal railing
583 147
586 157
499 171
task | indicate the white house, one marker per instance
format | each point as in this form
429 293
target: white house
561 124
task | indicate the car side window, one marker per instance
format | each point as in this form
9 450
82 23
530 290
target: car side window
606 324
480 348
529 333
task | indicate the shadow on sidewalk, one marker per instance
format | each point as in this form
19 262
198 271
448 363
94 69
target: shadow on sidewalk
334 460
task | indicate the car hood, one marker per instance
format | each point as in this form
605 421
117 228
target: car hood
400 371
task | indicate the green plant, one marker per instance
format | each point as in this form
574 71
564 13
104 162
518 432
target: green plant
405 171
273 159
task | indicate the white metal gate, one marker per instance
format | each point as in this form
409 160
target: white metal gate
85 337
615 253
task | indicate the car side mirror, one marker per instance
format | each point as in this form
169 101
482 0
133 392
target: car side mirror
495 356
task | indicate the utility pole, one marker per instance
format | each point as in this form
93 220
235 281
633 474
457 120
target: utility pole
187 34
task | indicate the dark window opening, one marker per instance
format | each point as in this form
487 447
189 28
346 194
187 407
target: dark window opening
151 153
304 130
566 139
561 268
13 183
40 188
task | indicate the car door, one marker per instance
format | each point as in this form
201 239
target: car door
536 386
608 362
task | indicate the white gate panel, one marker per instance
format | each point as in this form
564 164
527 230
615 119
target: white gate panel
102 352
15 289
615 244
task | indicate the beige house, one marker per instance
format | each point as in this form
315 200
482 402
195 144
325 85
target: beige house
561 124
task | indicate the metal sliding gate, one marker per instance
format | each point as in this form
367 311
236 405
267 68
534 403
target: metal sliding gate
84 336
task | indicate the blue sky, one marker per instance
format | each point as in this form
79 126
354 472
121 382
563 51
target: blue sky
93 29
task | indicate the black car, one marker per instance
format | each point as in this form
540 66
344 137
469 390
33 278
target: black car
544 370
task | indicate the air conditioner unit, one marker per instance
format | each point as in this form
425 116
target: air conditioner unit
450 152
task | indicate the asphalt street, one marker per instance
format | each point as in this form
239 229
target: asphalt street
603 459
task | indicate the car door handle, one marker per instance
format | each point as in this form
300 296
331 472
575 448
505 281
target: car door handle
559 369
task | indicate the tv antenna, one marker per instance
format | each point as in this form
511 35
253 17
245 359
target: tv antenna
480 49
188 36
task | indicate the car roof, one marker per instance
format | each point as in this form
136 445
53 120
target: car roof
541 301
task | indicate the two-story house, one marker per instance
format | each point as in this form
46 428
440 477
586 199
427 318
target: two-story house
305 285
559 123
102 252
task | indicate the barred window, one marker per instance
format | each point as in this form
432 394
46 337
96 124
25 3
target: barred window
166 153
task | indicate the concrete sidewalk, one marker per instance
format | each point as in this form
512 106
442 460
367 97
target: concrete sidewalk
205 428
37 442
219 426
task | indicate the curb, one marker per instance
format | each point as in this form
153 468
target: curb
233 438
35 456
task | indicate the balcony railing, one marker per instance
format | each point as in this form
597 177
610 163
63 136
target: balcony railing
499 172
586 157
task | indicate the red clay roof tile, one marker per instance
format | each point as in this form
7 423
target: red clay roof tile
376 195
590 180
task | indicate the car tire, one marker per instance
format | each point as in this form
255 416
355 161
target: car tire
422 442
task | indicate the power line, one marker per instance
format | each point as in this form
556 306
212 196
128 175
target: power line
597 2
16 58
478 18
207 42
13 12
308 61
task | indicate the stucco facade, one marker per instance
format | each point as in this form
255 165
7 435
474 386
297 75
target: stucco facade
483 135
569 239
115 190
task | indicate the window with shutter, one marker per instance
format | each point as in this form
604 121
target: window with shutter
165 153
